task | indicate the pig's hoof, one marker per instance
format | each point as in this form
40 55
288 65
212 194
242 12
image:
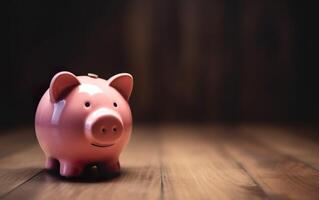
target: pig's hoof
70 170
51 164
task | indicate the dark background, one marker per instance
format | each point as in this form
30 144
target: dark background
212 61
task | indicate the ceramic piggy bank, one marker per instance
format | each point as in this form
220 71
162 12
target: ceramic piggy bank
83 121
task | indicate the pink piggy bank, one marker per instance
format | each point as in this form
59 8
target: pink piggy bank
83 121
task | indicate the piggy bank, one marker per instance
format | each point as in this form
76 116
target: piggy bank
83 121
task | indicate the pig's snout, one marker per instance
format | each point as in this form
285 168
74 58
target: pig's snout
103 127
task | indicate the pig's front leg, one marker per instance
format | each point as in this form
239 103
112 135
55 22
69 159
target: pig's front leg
51 163
109 167
70 169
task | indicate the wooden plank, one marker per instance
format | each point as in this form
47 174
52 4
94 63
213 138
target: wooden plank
140 178
20 158
280 176
184 162
16 140
17 168
289 141
194 167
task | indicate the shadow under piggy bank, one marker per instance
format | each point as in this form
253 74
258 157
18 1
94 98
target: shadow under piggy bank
91 174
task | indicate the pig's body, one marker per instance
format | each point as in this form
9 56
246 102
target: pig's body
87 122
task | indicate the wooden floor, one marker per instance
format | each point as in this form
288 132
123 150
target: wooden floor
177 162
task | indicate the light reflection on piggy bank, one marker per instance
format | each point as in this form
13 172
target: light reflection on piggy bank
84 120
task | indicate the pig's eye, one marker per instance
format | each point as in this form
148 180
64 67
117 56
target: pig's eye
115 104
87 104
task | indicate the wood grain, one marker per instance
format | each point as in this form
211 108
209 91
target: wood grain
176 162
289 141
16 140
16 166
279 175
195 168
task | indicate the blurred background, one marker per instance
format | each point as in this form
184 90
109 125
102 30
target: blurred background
210 61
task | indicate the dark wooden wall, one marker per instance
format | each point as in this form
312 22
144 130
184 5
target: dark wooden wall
202 61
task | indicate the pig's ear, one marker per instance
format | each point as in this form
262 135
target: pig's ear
123 83
61 84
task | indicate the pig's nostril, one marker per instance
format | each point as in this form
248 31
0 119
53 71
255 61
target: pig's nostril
114 129
103 130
